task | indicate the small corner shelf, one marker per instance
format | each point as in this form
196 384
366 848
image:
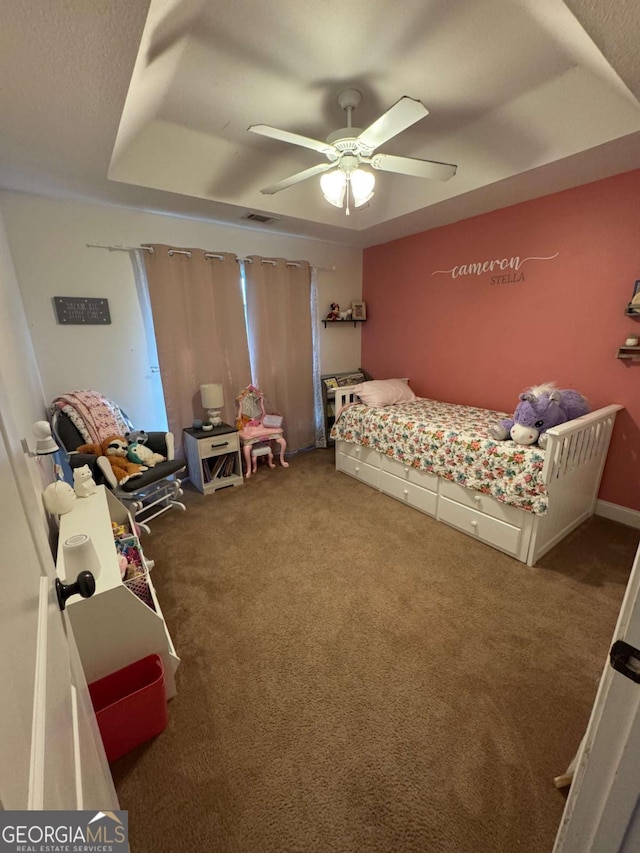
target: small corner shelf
629 353
632 311
339 322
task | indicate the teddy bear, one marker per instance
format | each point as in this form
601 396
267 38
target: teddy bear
540 408
139 452
115 449
143 455
137 435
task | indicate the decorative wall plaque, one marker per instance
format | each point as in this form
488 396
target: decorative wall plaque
82 311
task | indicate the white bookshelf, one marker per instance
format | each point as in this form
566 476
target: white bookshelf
115 627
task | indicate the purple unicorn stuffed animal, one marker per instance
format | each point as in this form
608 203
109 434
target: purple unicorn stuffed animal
540 408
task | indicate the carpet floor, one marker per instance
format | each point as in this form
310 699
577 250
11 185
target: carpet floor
357 677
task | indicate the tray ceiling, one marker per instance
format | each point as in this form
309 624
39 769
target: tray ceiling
157 97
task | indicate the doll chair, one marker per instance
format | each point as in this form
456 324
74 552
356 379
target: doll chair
146 496
257 428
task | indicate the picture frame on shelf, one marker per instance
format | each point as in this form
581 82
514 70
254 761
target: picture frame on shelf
331 382
359 310
634 304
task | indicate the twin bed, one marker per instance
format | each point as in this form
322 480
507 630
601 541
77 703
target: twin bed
439 458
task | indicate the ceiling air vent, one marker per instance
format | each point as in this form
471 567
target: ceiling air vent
259 217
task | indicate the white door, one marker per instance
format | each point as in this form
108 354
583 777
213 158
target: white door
602 813
51 755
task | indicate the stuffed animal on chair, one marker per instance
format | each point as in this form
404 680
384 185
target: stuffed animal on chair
138 450
540 408
138 435
143 455
115 449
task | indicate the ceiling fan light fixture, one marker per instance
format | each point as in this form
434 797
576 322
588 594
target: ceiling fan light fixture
333 185
362 186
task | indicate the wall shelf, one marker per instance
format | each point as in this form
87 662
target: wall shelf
629 353
632 311
341 322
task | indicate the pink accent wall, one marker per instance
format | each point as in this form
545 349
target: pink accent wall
468 340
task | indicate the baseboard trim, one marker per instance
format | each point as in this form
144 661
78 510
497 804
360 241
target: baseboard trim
630 517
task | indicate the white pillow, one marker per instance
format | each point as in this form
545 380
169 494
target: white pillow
384 392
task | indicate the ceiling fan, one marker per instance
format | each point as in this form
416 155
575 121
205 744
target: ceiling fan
350 147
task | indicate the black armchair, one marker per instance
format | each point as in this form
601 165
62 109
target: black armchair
146 496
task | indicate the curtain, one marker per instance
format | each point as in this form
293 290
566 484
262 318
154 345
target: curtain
157 417
201 337
280 331
320 430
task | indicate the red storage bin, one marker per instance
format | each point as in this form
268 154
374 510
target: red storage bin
130 705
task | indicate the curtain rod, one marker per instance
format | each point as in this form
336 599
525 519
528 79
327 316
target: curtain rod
172 252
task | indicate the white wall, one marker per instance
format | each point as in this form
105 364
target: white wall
21 394
48 241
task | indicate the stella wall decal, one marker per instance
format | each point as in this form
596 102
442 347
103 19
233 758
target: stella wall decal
503 264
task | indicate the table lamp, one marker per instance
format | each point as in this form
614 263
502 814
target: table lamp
212 397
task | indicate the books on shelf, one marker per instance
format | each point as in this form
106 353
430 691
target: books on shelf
229 465
218 467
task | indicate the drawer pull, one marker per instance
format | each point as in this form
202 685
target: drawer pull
406 470
405 492
357 469
474 523
357 451
477 498
222 444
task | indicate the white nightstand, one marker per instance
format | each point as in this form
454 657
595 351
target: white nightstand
214 458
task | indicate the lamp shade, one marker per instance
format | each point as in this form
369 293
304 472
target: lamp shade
333 185
212 396
80 555
362 184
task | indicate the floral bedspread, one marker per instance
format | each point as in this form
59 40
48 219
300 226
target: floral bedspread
453 442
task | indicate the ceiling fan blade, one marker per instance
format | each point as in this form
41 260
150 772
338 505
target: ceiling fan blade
296 139
412 166
295 179
399 117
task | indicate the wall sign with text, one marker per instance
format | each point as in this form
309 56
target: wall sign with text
82 311
502 270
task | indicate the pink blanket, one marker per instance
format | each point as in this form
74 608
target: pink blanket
95 417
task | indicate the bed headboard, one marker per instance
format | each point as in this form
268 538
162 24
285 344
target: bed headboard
343 396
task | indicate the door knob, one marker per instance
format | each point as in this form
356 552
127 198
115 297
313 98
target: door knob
85 586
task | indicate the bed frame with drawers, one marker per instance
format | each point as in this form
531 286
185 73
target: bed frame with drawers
574 461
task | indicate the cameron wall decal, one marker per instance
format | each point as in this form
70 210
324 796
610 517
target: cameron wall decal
509 267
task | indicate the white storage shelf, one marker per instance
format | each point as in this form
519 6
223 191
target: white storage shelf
114 627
